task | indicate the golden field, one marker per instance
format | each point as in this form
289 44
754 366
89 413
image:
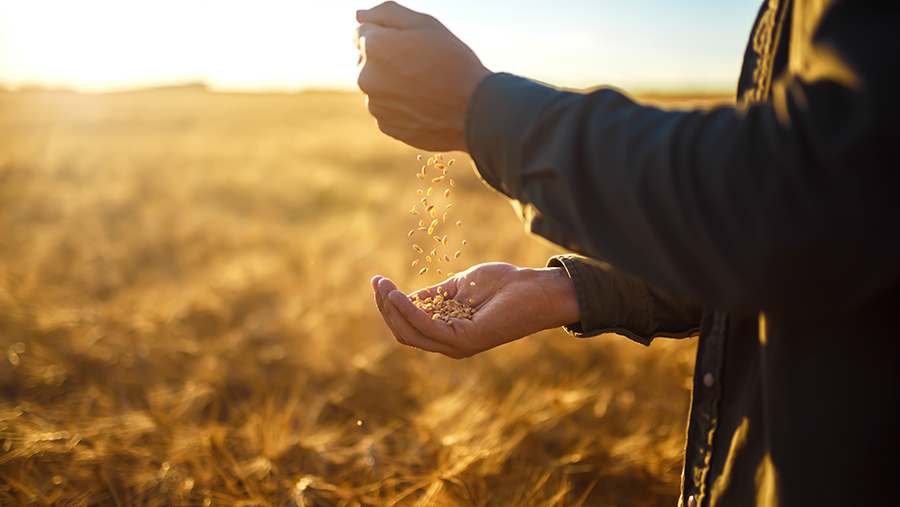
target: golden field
186 320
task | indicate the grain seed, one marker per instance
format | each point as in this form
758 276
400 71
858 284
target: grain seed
444 172
439 271
450 275
438 179
423 271
444 241
452 161
419 191
434 252
439 156
445 294
445 217
447 193
420 176
450 205
464 242
428 258
430 207
433 213
437 238
452 183
430 161
424 201
418 157
422 228
421 223
430 190
418 248
411 233
472 284
447 258
433 224
456 255
415 262
470 301
459 222
440 166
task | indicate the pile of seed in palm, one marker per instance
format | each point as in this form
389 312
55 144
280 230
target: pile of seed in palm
440 307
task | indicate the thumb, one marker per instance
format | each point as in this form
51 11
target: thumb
392 15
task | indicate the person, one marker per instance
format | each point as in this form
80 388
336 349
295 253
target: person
772 225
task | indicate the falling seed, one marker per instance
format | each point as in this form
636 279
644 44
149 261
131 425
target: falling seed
450 205
470 301
433 213
440 166
439 156
459 222
423 271
444 171
434 223
447 258
411 232
418 157
427 258
430 161
422 228
445 217
447 193
430 190
415 262
464 242
439 271
421 223
419 191
437 180
424 171
452 161
420 176
456 255
430 207
444 241
434 252
437 238
418 248
424 201
452 183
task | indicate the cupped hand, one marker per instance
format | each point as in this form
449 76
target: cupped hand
510 303
418 77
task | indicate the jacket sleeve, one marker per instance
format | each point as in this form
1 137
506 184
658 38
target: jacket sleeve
611 301
783 207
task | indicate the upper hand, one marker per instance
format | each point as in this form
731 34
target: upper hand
511 303
418 77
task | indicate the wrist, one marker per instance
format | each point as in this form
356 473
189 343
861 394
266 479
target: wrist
561 296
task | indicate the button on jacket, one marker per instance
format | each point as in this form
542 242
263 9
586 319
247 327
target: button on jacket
773 226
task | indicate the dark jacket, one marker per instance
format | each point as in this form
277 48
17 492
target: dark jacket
773 225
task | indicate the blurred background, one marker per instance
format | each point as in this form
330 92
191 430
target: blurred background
193 199
658 46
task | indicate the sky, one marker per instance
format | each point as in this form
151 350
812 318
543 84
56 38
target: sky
666 46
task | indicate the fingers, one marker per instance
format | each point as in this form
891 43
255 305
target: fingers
393 15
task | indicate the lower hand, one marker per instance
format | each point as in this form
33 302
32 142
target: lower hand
418 77
510 303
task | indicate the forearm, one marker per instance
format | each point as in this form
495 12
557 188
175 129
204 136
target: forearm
739 208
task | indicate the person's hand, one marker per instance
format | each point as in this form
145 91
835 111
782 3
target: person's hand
417 76
511 303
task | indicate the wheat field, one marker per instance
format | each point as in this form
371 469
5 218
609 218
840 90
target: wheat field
186 320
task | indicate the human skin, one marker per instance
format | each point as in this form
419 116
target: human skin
417 76
510 302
